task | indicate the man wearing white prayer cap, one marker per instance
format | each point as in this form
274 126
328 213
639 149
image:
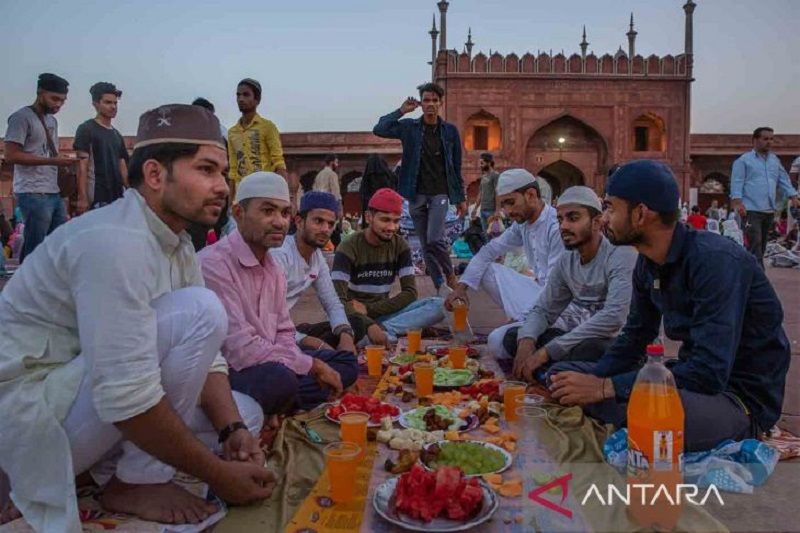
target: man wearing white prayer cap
535 229
265 362
586 298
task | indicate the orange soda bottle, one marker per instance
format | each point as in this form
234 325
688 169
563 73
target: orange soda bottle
655 445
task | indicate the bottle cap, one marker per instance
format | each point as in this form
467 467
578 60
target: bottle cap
655 349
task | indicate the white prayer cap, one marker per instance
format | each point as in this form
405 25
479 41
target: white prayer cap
580 195
517 178
263 185
513 179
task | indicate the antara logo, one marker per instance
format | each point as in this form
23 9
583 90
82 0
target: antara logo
562 482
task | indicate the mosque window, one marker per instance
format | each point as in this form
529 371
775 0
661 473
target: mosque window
482 132
649 134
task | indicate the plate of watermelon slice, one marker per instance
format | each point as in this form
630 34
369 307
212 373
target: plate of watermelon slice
375 408
439 501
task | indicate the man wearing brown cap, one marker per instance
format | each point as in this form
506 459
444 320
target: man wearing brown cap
31 145
103 166
120 348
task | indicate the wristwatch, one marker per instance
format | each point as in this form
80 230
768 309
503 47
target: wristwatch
228 430
344 329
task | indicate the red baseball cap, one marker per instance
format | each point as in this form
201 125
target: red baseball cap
386 200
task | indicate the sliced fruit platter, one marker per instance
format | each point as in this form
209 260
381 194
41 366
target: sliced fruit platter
375 408
439 501
433 418
448 378
474 458
440 350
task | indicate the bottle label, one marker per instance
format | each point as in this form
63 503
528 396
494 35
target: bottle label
662 450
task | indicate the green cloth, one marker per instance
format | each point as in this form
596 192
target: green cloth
297 462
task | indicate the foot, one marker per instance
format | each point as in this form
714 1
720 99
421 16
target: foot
166 503
9 513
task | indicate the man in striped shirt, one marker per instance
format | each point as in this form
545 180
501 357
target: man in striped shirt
365 268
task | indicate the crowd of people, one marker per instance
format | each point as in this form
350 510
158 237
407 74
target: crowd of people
122 348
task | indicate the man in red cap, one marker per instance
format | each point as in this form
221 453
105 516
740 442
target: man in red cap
367 264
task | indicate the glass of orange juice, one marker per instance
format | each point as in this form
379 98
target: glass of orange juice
353 428
512 389
341 458
423 375
458 356
374 359
460 310
414 338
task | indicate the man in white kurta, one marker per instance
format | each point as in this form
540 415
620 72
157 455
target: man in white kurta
107 318
535 229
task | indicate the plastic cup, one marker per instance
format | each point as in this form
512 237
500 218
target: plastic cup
423 376
375 360
460 310
526 399
341 459
528 422
458 356
512 389
353 428
414 338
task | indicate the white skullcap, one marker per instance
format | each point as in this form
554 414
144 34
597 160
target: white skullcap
580 195
517 178
263 185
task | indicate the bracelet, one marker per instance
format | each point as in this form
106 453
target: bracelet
603 388
228 430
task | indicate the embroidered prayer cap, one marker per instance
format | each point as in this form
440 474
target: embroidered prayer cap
263 185
179 123
387 201
52 83
253 84
318 200
580 195
647 182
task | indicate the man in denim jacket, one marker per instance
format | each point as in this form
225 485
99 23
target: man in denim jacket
430 174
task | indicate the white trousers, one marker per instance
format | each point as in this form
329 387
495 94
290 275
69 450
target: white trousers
191 327
509 289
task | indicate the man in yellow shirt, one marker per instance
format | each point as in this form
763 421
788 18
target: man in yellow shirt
254 143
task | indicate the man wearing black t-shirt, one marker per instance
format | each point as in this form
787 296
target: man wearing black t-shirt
103 170
430 174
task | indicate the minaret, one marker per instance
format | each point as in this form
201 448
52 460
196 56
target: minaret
443 24
584 44
631 41
433 33
688 48
469 44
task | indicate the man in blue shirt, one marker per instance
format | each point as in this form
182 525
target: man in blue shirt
430 174
755 178
732 363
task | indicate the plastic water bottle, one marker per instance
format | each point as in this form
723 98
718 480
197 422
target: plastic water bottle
655 445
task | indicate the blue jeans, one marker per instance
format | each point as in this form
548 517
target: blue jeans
708 418
41 214
485 214
420 314
279 390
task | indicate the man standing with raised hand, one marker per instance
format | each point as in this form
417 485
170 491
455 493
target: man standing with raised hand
103 165
31 145
430 175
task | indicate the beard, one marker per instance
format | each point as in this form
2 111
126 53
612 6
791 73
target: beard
313 241
627 238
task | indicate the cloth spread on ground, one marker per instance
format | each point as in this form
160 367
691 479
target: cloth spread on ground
731 466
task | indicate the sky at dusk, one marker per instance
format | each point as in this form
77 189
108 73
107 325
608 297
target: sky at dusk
337 65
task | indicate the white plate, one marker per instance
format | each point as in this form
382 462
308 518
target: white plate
506 456
384 505
370 423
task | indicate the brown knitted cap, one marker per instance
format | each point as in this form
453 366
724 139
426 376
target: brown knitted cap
179 123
